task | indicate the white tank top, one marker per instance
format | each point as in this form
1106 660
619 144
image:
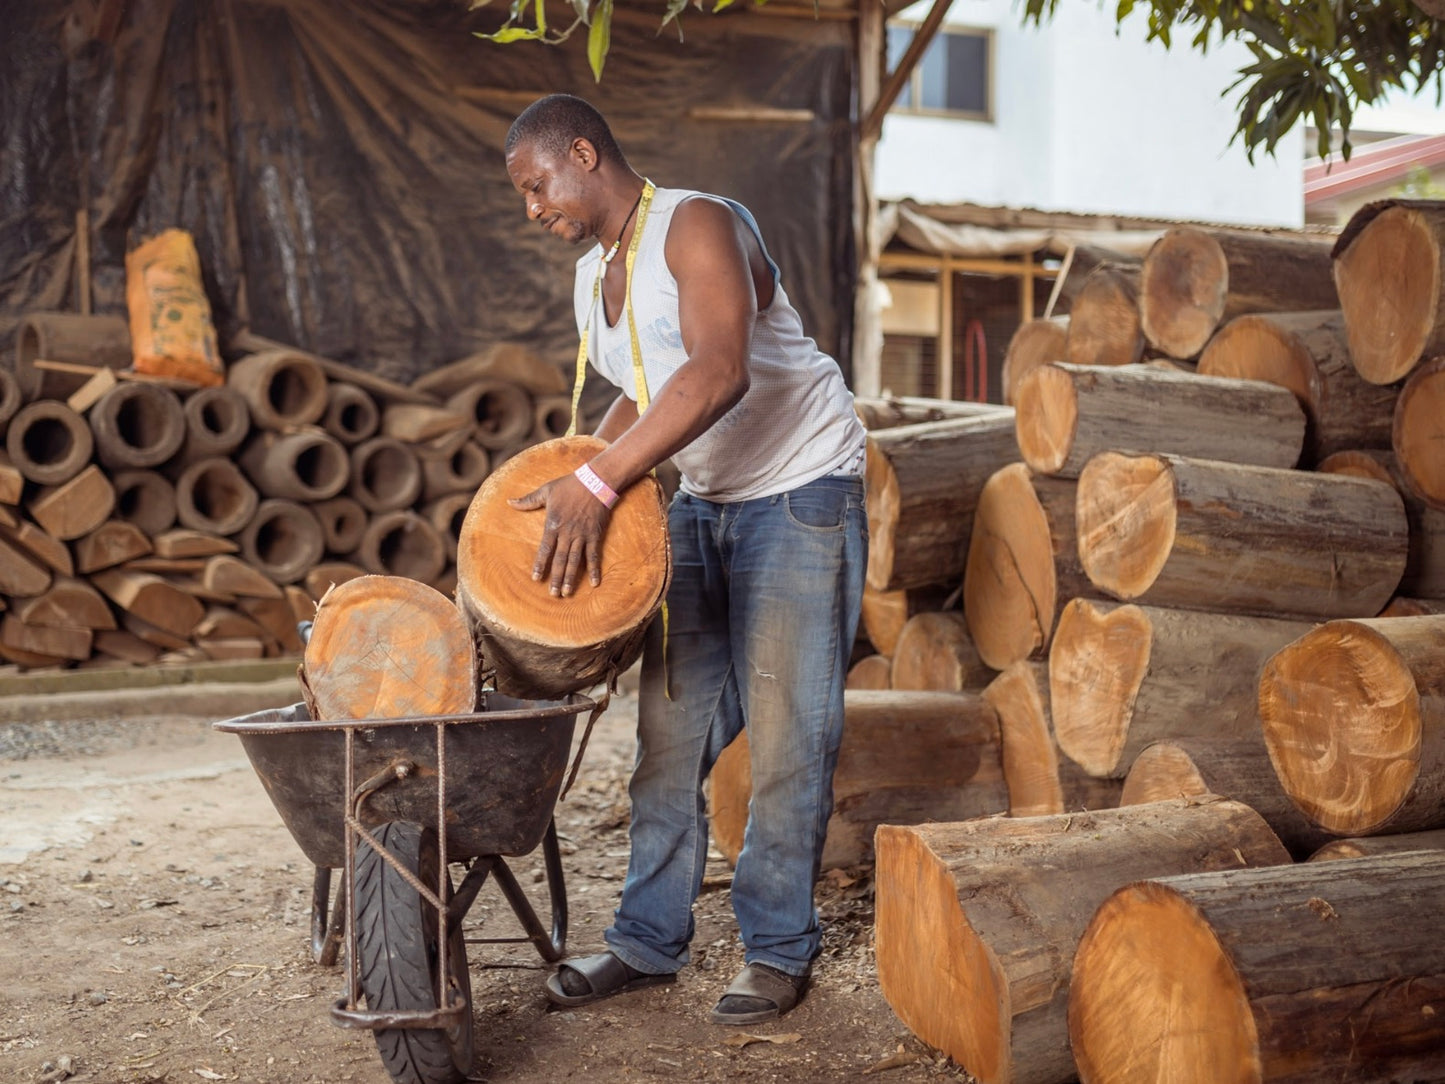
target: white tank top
796 422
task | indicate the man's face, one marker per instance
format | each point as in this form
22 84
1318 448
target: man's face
553 187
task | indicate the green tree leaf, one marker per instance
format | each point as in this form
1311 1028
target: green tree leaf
599 37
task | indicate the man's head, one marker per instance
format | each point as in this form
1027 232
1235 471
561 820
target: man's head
559 151
552 124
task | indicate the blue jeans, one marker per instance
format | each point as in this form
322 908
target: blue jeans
763 609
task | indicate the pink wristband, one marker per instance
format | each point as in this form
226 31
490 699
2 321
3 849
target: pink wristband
595 485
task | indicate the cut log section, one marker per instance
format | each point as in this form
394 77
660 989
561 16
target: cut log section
328 575
182 543
1023 564
1104 324
213 495
227 575
76 507
1419 433
934 653
1121 677
51 641
150 598
905 758
1390 273
10 398
501 412
1069 413
413 423
892 411
1040 779
1354 718
282 540
12 482
351 415
461 472
402 544
145 498
137 425
884 613
1206 535
1238 769
69 603
551 416
923 485
217 421
124 646
977 922
112 543
1292 975
67 336
43 546
385 475
870 672
343 522
1307 353
277 617
302 466
1194 279
515 363
282 388
386 647
1036 342
48 443
540 646
446 515
20 574
1369 846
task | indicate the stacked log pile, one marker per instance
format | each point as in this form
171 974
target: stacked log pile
145 519
1213 582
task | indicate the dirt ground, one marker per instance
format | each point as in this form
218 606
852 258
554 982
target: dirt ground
154 912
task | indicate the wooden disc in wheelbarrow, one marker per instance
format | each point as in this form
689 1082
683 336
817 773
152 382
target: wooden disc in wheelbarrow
540 647
383 647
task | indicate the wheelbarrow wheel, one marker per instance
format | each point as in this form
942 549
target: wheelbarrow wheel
397 953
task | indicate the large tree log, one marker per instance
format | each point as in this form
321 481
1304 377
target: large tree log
48 443
977 922
1354 718
1424 576
1036 342
75 507
1221 536
383 647
870 672
539 646
1040 779
934 653
1123 676
906 758
1297 974
1104 324
1194 279
1418 433
923 484
1369 846
1232 768
893 411
1068 413
1389 266
1023 564
1307 353
884 613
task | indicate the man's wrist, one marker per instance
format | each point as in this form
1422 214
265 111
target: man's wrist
595 485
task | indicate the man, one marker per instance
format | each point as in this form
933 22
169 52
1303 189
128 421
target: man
769 547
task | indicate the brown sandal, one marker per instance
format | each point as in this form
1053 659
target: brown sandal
760 993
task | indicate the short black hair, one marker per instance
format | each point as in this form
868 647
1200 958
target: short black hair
553 122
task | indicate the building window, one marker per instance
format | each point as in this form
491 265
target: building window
954 78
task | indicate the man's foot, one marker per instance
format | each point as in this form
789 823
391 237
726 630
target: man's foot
760 993
592 978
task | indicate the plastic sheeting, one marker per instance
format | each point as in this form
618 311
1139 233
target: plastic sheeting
340 164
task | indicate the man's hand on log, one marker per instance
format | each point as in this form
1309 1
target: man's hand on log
572 536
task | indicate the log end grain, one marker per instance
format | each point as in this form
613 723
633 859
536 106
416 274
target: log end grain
1035 343
1255 347
1160 772
935 653
1388 280
1182 291
1047 418
1030 757
1104 319
870 672
1096 666
1126 515
882 499
1419 432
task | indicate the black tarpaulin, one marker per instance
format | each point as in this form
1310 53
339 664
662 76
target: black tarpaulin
339 161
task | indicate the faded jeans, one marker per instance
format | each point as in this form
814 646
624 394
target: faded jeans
762 612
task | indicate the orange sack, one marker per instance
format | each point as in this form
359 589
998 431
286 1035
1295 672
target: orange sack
170 319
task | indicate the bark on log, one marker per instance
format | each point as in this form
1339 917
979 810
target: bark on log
1290 975
385 475
48 442
1023 564
137 425
217 421
351 415
75 507
1036 342
67 336
151 599
282 388
1307 353
542 647
501 412
1424 576
870 672
923 485
382 647
1238 769
1040 779
906 758
1195 279
145 498
1389 266
343 522
282 540
1354 718
977 922
69 603
1401 606
1069 413
892 411
1370 846
461 472
1221 536
213 495
884 613
934 653
112 543
402 543
1419 430
304 466
1104 326
1123 676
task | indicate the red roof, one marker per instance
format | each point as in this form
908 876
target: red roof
1371 165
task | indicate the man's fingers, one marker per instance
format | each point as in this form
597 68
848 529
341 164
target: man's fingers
574 568
545 551
562 562
531 502
594 560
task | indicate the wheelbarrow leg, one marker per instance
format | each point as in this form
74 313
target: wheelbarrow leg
326 935
552 947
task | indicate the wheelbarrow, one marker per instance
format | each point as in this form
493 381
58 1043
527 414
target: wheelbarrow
393 803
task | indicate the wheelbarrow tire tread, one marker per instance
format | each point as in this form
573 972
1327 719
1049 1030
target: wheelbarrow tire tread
396 938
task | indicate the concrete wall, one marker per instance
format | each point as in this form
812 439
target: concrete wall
1091 118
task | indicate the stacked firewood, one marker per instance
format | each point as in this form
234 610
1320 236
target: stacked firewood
145 519
1194 623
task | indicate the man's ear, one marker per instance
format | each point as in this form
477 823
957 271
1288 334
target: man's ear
584 153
